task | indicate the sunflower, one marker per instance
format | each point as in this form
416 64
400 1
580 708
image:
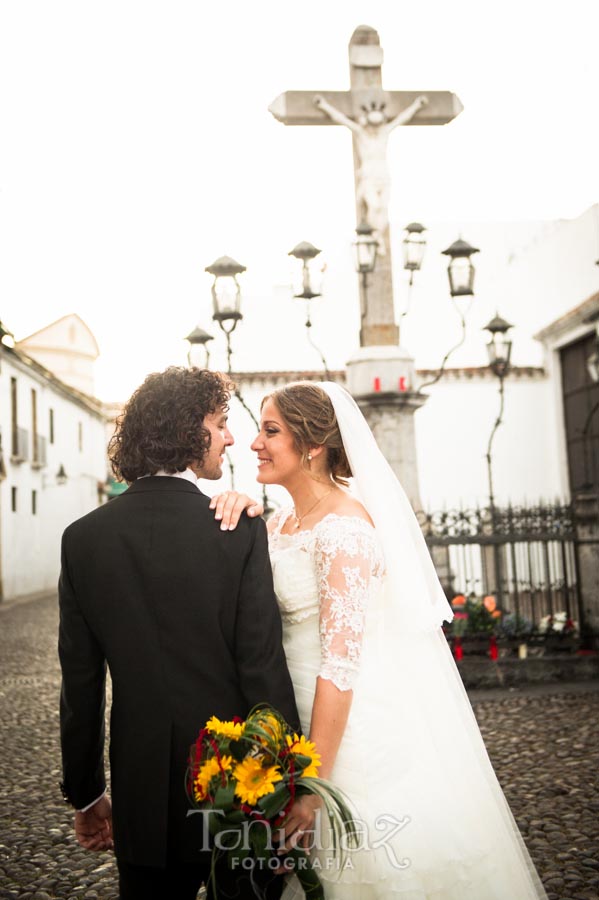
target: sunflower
207 771
303 747
226 729
271 726
254 780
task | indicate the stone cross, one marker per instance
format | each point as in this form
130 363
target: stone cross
371 114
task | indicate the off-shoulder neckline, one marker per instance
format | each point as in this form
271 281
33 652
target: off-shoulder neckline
332 515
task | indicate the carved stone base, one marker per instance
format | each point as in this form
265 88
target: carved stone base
381 379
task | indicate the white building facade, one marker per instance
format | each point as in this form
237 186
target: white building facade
53 470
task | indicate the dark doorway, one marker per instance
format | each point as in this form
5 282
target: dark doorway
581 411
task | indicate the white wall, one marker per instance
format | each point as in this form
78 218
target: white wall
30 544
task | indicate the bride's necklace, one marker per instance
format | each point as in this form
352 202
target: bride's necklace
299 519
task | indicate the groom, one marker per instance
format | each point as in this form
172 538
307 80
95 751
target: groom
184 615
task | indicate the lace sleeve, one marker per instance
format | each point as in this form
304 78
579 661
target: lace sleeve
347 558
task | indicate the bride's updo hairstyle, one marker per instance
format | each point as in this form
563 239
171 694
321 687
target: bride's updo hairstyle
310 417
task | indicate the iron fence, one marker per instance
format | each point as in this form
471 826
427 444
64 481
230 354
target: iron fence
524 556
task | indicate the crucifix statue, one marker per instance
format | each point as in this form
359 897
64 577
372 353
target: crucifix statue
371 132
371 114
380 374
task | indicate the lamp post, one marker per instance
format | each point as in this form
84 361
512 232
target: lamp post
365 248
226 300
226 297
199 338
414 245
461 272
499 349
306 252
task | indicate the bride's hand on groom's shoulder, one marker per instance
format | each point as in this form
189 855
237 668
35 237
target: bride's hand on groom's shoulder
93 828
229 506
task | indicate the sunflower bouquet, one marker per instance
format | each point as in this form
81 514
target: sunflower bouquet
244 777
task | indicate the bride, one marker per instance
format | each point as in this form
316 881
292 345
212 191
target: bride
376 685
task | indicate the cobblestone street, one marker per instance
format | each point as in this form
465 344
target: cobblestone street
544 744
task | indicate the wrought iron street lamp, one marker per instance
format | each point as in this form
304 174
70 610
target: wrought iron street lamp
226 299
59 479
414 245
461 268
461 274
226 294
365 247
306 253
199 338
499 349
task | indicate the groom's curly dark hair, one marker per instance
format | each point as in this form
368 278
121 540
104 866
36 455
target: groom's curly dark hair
161 425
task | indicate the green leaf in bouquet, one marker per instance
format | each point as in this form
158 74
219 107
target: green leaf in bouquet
224 797
235 857
301 761
338 812
272 804
307 875
234 817
259 837
215 821
230 838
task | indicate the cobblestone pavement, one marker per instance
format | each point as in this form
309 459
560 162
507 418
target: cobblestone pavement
544 745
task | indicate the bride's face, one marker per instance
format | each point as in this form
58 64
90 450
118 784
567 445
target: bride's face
279 462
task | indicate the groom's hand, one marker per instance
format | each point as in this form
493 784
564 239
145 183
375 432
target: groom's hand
229 507
93 828
298 827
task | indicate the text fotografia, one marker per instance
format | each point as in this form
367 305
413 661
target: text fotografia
317 839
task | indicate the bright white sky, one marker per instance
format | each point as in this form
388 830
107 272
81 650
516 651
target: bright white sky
137 147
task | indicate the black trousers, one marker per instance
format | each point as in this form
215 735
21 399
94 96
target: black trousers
182 881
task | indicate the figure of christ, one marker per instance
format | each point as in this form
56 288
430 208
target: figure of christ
373 181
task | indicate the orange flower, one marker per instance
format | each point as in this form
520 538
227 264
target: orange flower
458 600
490 603
496 614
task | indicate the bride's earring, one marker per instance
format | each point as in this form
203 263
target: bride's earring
309 457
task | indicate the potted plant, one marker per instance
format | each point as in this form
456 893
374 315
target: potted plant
560 633
515 632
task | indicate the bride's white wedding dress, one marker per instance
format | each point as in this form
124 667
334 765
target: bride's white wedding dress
412 762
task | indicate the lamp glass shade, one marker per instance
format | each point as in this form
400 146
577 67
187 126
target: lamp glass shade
461 277
365 249
308 281
499 350
414 245
226 297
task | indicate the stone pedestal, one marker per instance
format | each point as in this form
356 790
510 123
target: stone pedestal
587 544
381 379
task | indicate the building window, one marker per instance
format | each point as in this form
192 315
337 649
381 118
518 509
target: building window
34 503
13 499
34 441
51 426
14 414
80 436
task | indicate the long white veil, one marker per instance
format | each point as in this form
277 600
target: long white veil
409 687
420 603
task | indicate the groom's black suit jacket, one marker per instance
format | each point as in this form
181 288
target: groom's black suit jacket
186 618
